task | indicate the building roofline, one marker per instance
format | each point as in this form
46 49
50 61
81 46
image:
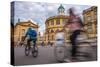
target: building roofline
22 22
56 17
89 9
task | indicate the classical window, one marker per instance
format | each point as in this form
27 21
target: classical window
48 37
58 22
47 31
52 31
47 24
23 31
52 37
89 18
52 22
95 15
45 38
90 29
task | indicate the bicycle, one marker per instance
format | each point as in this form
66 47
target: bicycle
84 49
33 49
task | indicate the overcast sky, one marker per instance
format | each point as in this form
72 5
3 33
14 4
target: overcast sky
39 12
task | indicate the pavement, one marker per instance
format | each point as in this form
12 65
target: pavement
45 56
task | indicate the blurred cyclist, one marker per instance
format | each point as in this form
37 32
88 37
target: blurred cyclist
75 25
31 35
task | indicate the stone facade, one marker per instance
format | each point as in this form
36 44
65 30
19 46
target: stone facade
90 21
21 28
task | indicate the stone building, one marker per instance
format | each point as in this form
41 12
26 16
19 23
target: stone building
56 24
21 28
90 21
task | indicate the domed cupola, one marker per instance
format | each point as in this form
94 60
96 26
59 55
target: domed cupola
61 10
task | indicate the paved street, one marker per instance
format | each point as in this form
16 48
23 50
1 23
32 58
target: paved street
46 55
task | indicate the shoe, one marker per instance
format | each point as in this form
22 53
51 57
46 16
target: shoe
67 60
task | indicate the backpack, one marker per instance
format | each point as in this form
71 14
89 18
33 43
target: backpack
32 34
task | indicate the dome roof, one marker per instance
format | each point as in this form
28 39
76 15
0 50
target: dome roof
61 7
60 16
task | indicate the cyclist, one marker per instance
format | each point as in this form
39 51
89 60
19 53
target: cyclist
75 25
31 35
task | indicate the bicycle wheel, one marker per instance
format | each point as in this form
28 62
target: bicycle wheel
59 53
35 51
27 50
85 52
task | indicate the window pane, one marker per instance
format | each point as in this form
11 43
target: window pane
58 21
52 22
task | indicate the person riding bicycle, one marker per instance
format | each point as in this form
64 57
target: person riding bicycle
31 35
75 25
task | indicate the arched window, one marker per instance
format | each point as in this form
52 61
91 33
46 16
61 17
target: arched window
23 32
52 22
47 31
57 21
48 23
52 31
52 37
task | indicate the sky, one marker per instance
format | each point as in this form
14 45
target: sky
38 12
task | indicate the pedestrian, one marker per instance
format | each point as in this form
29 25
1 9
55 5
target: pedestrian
42 44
